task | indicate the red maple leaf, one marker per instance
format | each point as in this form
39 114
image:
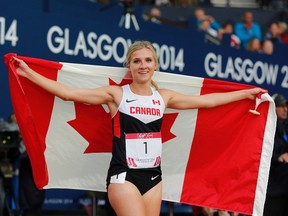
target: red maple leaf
167 123
94 124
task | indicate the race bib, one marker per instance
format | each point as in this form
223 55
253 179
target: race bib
143 150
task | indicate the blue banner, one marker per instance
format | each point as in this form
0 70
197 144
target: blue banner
82 32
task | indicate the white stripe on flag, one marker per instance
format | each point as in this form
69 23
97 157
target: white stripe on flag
260 193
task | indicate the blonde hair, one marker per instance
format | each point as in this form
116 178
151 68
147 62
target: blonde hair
140 45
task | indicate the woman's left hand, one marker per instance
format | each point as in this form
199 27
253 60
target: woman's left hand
252 93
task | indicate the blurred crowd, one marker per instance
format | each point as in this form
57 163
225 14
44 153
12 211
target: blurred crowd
244 34
187 3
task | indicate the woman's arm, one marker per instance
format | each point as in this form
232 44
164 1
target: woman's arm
176 100
102 95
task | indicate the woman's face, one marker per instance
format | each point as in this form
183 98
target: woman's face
142 65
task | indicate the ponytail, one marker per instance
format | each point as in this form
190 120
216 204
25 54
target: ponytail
154 84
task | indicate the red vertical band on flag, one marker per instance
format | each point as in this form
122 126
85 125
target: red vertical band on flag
32 115
215 174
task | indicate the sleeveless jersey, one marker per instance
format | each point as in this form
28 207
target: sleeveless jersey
138 118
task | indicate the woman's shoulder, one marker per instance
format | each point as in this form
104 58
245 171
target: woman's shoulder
166 93
114 90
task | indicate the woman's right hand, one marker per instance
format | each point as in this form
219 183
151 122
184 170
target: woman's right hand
21 67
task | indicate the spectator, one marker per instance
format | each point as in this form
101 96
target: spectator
208 211
267 47
247 29
155 15
211 35
205 26
254 45
155 12
274 33
228 28
200 15
277 190
283 32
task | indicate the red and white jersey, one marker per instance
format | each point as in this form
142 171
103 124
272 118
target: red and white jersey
144 108
136 114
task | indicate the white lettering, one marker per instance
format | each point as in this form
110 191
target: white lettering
259 68
120 42
164 57
272 73
105 48
8 33
105 41
67 50
92 53
229 68
210 64
247 70
80 44
284 70
58 40
239 69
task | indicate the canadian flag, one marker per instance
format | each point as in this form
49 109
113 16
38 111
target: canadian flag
218 157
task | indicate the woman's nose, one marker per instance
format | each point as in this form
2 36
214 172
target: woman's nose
143 64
